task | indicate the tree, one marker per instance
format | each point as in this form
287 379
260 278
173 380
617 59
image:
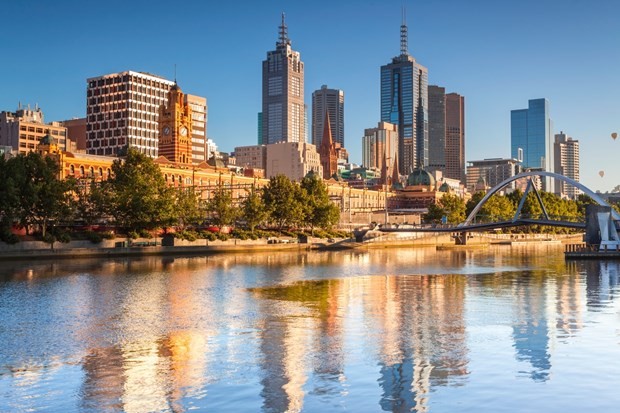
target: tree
221 207
320 211
93 201
282 197
498 208
187 207
140 198
473 201
454 208
44 199
254 211
449 205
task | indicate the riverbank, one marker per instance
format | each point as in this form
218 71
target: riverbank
148 247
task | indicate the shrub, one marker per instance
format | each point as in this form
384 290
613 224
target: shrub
94 237
8 237
133 235
222 237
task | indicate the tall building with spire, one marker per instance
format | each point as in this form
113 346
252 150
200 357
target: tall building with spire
284 112
404 102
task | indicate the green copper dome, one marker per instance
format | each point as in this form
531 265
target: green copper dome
420 177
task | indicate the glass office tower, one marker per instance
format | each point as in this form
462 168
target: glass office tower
531 131
404 102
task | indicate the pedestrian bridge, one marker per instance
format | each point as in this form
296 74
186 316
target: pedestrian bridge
470 224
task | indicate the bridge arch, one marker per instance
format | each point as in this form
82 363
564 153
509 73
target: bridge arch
504 183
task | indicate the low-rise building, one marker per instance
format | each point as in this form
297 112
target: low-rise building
293 160
492 171
23 129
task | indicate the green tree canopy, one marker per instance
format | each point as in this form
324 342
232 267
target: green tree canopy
141 200
221 208
282 197
254 211
320 211
450 205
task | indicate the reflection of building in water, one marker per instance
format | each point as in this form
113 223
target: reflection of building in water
284 340
538 302
156 354
302 318
568 305
602 280
329 342
531 330
421 321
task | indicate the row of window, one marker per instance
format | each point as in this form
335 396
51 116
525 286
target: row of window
91 171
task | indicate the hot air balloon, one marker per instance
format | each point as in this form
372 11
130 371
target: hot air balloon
614 135
601 173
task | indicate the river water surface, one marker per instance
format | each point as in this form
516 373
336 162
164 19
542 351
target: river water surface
500 330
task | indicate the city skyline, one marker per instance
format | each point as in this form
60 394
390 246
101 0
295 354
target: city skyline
505 56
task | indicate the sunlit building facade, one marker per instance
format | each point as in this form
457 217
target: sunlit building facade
531 139
330 101
404 102
284 112
567 164
122 109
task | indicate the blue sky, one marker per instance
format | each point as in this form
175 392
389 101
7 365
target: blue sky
496 53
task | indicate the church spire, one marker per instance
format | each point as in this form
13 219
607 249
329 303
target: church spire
327 152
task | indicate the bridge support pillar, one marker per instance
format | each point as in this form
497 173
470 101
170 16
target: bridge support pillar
460 238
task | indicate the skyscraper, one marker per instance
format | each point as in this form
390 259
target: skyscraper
436 128
566 163
531 131
455 137
446 132
330 101
283 111
122 109
404 102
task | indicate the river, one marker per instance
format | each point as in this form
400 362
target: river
496 330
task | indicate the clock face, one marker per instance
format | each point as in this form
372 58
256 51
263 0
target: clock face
166 130
183 131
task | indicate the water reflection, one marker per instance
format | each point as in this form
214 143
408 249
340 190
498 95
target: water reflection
364 331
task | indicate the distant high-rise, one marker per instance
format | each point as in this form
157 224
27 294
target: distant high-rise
380 145
455 137
330 101
436 127
566 163
446 132
531 131
531 141
404 102
283 115
122 109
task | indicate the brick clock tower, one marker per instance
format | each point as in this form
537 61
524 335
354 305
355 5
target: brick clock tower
175 128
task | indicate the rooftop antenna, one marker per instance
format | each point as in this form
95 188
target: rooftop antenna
175 73
403 33
283 39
